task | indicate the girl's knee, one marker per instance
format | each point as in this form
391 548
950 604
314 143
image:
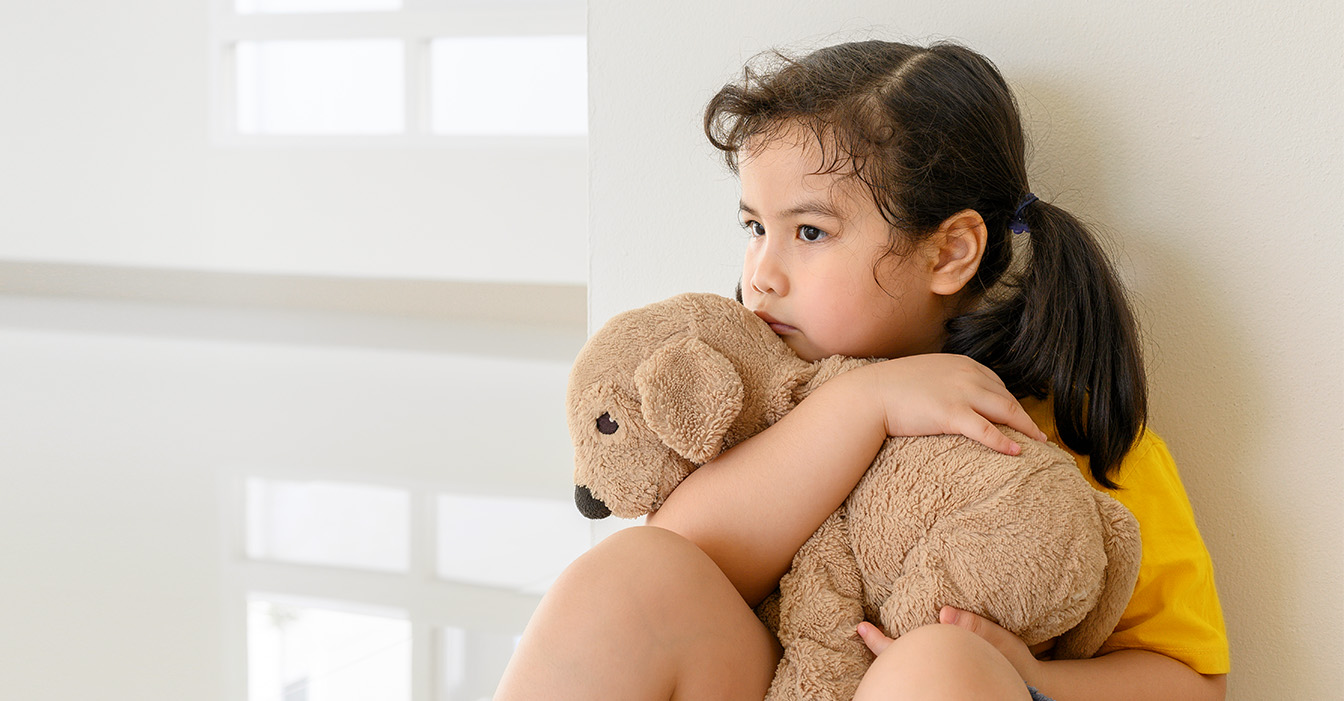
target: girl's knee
648 601
643 567
641 551
648 542
941 662
636 574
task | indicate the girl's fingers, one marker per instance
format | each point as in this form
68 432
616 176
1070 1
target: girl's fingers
1000 407
1005 642
1018 418
873 638
980 429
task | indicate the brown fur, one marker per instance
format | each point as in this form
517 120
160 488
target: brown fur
1024 541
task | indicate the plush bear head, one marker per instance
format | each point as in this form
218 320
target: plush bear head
660 390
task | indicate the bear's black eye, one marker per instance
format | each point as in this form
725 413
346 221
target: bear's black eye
606 424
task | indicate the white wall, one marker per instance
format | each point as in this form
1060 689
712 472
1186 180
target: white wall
1204 140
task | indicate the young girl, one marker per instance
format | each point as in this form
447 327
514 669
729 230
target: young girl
884 191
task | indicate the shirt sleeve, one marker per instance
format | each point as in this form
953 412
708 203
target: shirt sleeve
1174 609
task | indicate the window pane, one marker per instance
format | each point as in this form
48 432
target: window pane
474 661
321 87
510 5
510 543
325 523
511 85
302 653
286 6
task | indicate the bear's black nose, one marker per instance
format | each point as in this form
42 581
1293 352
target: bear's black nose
589 505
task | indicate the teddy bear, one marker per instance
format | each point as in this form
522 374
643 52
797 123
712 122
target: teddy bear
937 520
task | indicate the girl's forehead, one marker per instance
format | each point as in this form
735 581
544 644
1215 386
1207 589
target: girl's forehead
790 169
799 143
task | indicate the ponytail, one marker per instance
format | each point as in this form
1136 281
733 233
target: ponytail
1064 330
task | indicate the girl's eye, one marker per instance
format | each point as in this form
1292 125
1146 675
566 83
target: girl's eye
811 234
753 227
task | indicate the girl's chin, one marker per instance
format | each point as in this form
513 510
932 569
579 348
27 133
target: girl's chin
802 349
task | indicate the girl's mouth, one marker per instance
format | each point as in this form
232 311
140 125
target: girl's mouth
775 325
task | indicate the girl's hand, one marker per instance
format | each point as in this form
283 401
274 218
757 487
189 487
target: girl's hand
874 638
943 393
1010 646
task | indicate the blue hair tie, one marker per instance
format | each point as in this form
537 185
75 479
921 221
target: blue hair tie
1017 224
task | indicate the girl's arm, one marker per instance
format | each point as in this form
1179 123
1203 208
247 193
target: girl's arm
751 508
1127 674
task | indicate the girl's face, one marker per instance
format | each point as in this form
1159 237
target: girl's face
818 248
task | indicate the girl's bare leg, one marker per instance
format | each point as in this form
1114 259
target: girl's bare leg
941 662
645 614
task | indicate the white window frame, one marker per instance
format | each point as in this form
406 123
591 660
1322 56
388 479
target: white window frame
429 602
417 25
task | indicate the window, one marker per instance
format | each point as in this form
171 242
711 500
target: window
341 86
412 583
301 651
404 71
326 523
544 91
335 609
393 535
397 139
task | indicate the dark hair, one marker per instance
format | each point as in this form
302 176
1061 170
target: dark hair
934 131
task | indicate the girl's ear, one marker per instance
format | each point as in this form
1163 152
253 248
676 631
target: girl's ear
955 250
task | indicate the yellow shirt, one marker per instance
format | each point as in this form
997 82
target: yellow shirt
1174 609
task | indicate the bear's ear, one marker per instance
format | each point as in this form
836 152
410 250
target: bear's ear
690 395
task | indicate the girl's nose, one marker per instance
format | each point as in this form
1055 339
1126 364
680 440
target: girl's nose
770 274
